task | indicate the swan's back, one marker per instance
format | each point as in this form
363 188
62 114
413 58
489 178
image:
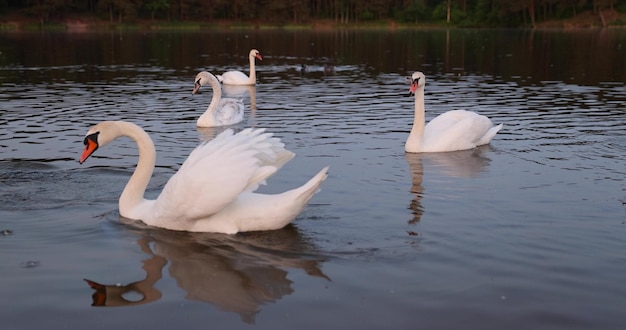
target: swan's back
229 112
458 130
234 78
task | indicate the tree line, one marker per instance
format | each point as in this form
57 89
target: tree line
457 12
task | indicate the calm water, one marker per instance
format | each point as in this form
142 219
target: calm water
527 233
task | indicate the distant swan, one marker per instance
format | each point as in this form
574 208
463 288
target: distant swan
221 111
450 131
213 191
240 78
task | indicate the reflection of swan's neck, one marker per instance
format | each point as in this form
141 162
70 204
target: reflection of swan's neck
208 116
115 295
252 94
417 176
414 140
133 193
252 78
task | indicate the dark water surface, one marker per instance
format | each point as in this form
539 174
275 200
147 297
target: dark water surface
527 233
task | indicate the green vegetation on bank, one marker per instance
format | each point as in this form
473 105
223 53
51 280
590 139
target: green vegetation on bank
293 14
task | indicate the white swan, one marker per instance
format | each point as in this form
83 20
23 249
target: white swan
450 131
213 191
221 111
240 78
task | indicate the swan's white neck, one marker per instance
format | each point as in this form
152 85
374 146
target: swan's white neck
414 141
252 77
208 117
133 193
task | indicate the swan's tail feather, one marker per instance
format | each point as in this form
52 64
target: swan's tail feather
489 135
310 188
283 208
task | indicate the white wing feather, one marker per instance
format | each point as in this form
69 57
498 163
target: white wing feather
456 130
217 172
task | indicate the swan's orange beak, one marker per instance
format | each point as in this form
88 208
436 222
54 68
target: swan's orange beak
91 145
258 56
413 87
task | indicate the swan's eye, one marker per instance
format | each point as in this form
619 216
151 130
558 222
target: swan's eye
91 137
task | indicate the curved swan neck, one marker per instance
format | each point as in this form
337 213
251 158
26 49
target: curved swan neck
414 141
252 77
136 186
208 116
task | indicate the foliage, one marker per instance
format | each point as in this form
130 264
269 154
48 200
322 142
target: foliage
458 12
413 12
155 6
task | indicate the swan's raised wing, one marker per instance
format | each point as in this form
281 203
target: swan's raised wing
229 112
216 172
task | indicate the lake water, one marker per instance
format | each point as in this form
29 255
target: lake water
526 233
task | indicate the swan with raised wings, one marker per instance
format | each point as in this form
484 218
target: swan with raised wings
240 78
451 131
213 191
221 111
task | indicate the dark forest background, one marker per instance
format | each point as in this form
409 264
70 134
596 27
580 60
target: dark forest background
484 13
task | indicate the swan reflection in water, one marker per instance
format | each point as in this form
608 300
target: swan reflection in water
454 164
238 273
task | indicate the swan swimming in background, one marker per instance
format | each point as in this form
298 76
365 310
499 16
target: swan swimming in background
221 111
327 69
213 190
240 78
451 131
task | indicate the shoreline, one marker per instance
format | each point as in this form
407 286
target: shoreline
20 24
